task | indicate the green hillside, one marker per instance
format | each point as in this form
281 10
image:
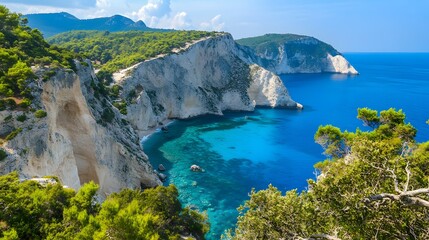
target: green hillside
253 42
119 50
20 48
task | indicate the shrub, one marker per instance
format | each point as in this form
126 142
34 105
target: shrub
48 75
21 118
13 134
40 114
25 103
108 115
2 105
8 118
3 154
10 103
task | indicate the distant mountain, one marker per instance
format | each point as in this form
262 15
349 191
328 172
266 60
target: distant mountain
53 23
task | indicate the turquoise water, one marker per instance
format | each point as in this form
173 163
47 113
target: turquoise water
241 151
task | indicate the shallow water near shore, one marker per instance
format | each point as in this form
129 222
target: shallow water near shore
244 150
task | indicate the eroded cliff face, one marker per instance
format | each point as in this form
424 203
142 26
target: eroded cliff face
207 78
84 138
302 55
74 142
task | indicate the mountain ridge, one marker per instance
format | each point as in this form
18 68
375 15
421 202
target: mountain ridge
51 24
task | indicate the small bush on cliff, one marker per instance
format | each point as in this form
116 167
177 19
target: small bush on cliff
3 154
29 210
21 118
108 115
13 134
375 185
40 114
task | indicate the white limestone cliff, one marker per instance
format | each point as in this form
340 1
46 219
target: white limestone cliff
72 143
84 138
303 55
209 77
339 64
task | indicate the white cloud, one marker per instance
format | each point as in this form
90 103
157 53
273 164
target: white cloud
180 21
55 3
103 4
158 14
155 13
215 24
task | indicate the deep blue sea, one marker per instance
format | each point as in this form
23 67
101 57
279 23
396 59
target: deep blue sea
244 150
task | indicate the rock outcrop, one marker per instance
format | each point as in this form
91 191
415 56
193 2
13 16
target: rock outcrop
75 141
209 77
84 138
289 53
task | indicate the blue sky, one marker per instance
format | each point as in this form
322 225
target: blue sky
349 25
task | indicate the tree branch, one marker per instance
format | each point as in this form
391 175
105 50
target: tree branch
406 197
407 169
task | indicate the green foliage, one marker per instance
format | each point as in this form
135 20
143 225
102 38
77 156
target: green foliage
332 140
10 235
347 199
27 206
48 75
121 106
25 103
20 48
369 117
21 118
115 90
108 115
3 154
392 117
270 215
120 50
7 103
31 211
40 113
8 118
13 134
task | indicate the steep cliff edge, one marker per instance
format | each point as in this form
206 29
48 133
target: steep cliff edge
79 140
85 138
289 53
210 76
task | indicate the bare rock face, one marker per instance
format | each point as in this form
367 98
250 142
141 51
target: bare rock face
209 77
289 53
84 138
75 143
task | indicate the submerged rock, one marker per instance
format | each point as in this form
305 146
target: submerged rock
162 176
161 167
196 168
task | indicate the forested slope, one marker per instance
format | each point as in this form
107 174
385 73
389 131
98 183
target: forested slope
115 51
